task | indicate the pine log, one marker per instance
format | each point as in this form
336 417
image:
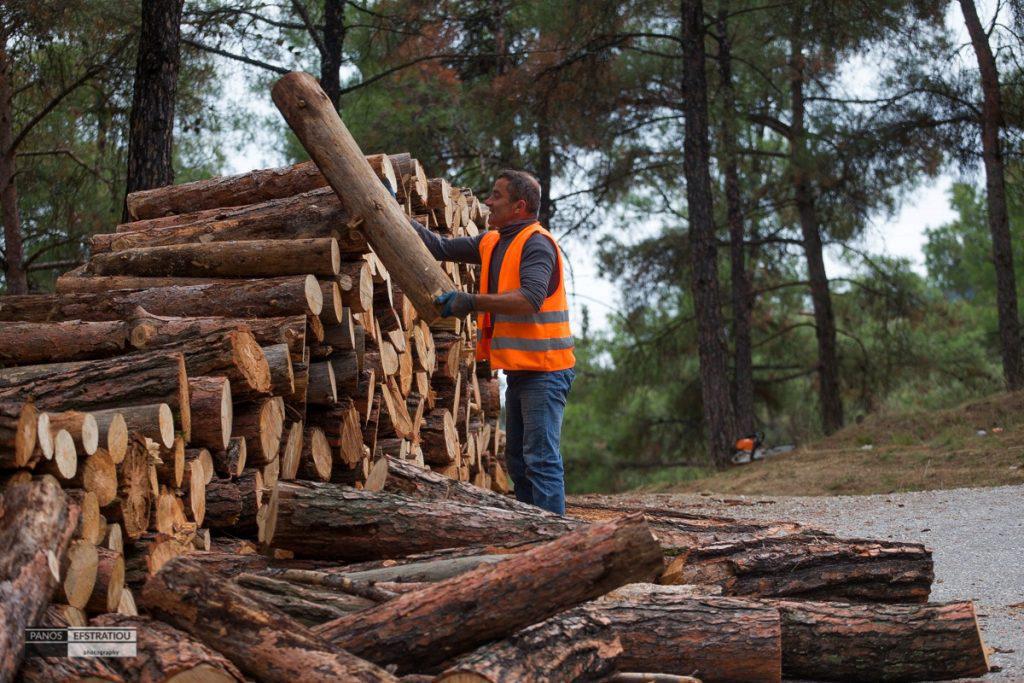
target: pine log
81 426
576 645
134 494
316 123
262 641
333 304
152 331
321 389
261 424
251 258
811 567
413 178
78 574
38 342
843 642
135 378
291 450
310 605
97 473
230 462
114 432
222 191
62 616
717 639
448 618
106 592
212 411
316 462
35 530
170 468
439 438
154 421
64 463
163 653
66 669
282 375
19 422
90 524
284 296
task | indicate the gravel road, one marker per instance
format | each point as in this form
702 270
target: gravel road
976 536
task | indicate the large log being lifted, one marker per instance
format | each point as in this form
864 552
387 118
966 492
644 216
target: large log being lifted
268 298
35 529
316 123
252 258
426 627
261 640
329 521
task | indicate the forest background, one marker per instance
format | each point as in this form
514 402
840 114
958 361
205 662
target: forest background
724 165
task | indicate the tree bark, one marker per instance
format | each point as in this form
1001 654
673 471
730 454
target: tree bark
152 331
263 298
26 343
248 259
830 400
715 395
995 194
18 432
262 641
231 505
261 424
310 605
743 363
151 123
35 529
576 645
14 268
842 642
212 412
715 639
318 127
810 567
328 521
426 627
332 53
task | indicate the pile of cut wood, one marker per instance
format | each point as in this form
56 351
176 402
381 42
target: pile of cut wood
280 458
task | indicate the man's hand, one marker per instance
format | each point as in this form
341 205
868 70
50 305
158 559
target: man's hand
457 304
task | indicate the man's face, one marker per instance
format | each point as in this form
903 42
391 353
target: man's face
504 210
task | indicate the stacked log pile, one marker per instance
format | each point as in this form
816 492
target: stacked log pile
234 420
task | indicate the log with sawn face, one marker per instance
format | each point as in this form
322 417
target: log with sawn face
312 117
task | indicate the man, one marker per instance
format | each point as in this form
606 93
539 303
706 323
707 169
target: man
523 329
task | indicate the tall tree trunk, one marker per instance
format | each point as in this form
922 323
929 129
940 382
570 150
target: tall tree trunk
743 363
824 319
717 406
151 126
14 269
332 54
995 186
544 166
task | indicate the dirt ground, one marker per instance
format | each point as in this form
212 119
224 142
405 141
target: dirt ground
976 536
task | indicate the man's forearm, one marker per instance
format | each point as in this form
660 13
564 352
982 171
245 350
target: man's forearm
509 303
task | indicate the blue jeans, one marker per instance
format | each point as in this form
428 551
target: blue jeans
534 403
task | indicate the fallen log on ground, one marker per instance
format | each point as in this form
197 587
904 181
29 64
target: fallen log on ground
577 645
424 628
262 641
329 521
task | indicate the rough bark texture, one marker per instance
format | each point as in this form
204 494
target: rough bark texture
296 295
810 567
329 521
426 627
841 642
36 526
717 406
15 275
995 197
262 641
164 653
310 605
248 259
23 343
151 123
212 411
716 639
150 331
316 123
18 432
144 377
577 645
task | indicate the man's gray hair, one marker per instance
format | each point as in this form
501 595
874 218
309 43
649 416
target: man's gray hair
522 185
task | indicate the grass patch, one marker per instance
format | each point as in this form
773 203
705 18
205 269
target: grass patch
911 452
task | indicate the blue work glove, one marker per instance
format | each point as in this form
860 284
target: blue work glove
387 186
457 304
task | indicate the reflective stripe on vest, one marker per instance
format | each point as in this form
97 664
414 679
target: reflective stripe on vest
538 341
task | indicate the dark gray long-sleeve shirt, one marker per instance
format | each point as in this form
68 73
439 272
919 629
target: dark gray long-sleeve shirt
538 274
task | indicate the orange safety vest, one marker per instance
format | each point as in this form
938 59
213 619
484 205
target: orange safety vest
541 341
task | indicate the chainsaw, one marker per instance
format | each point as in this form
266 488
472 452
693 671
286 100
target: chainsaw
751 447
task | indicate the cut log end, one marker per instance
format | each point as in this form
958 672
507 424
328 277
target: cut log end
165 421
314 296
